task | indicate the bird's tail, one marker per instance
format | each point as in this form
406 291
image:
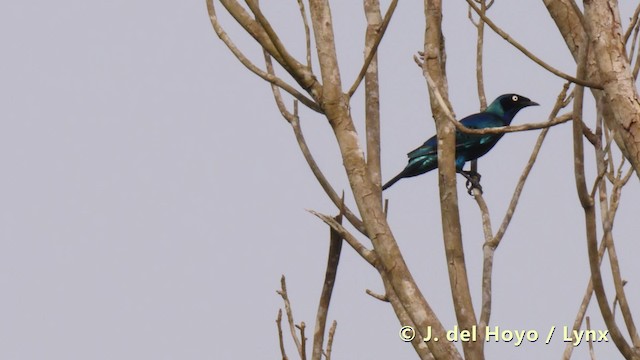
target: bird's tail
393 181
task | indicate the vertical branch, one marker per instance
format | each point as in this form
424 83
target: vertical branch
280 336
372 92
393 267
590 216
307 33
479 53
332 332
434 68
287 307
492 242
335 248
607 225
479 68
582 310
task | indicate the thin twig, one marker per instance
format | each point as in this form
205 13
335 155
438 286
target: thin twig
636 66
633 24
332 333
634 41
294 120
280 336
303 338
302 75
289 63
592 353
487 267
307 33
491 241
495 130
374 48
582 309
479 56
253 68
607 225
529 54
366 254
287 307
374 295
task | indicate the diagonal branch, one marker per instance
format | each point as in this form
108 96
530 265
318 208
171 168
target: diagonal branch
287 308
492 242
254 69
374 48
560 103
303 75
294 120
528 53
300 72
633 24
365 253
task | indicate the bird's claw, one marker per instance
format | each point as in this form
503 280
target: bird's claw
473 181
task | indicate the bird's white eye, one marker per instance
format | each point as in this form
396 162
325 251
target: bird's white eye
514 98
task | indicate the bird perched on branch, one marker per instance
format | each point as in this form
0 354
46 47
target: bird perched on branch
468 146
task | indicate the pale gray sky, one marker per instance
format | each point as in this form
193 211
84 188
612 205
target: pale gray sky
152 195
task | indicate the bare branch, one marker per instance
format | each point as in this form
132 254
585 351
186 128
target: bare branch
264 35
303 338
434 70
611 249
479 56
254 69
374 48
525 173
492 242
372 94
592 353
589 212
633 24
374 295
335 248
288 61
366 254
582 310
280 336
392 266
332 333
487 268
529 54
287 307
294 120
496 130
307 33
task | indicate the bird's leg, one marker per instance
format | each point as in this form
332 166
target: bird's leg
473 180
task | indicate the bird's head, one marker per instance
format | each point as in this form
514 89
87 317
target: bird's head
507 106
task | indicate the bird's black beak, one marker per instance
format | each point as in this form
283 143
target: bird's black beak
531 103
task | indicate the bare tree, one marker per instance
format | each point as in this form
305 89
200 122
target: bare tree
607 63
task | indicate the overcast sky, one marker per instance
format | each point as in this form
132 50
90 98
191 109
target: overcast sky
151 194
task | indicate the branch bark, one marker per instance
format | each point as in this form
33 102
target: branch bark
434 68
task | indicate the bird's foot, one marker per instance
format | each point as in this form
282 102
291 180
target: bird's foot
473 181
